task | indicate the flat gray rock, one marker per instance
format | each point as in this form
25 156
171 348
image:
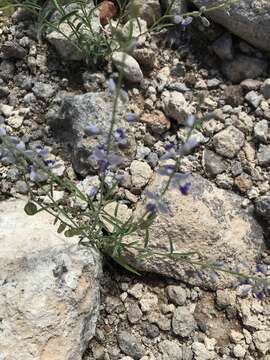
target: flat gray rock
209 221
248 19
49 289
75 113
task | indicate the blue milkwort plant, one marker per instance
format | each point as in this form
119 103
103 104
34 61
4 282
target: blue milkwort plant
90 221
96 44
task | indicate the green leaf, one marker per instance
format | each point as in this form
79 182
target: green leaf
67 16
122 263
72 232
61 228
146 239
30 208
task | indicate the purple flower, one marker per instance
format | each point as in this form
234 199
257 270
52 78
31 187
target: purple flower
103 165
261 269
37 176
184 188
169 146
48 163
132 117
111 85
260 295
180 179
190 144
2 131
119 133
190 120
119 178
42 151
187 21
200 274
123 95
166 170
92 191
21 146
91 130
179 20
151 207
114 159
155 204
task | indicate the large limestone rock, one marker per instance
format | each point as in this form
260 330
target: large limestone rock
248 19
75 113
209 221
49 289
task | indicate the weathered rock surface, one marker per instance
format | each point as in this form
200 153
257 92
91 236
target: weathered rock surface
64 40
147 10
130 67
90 109
243 67
249 19
49 289
207 220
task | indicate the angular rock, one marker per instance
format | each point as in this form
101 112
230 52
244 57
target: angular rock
170 350
199 222
228 142
183 322
91 109
234 95
261 339
253 98
7 69
247 19
201 353
126 63
130 345
49 289
263 155
140 173
12 50
213 163
15 120
148 302
43 91
134 314
156 121
175 106
262 207
243 67
63 43
223 47
265 89
261 131
177 294
4 92
145 57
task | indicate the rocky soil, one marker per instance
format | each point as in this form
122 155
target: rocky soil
48 101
